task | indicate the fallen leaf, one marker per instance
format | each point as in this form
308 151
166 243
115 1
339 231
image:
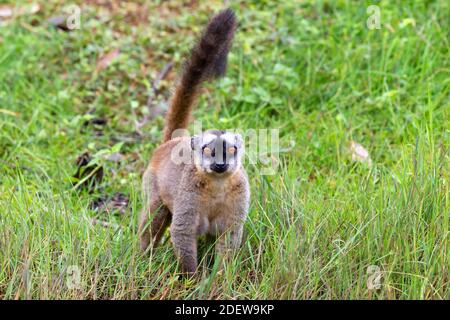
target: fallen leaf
88 175
106 59
8 12
97 123
59 22
31 9
115 157
104 224
118 202
131 137
359 153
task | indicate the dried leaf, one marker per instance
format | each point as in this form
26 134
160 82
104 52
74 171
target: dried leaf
115 157
8 12
106 59
104 224
32 9
118 202
88 175
97 123
359 153
59 22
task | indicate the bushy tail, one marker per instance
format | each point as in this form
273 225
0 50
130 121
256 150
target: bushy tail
208 61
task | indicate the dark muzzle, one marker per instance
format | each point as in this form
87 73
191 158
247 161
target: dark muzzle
219 168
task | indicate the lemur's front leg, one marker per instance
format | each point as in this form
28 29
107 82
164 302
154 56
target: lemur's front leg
231 226
230 240
183 232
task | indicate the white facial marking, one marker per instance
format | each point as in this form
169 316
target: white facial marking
229 137
210 153
207 138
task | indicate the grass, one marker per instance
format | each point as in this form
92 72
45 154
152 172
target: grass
312 69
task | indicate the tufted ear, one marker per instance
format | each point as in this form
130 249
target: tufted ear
238 140
195 142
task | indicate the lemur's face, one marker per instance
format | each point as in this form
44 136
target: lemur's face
217 152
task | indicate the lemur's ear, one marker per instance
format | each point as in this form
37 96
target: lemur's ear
194 142
238 140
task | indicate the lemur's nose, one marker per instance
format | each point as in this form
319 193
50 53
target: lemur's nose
219 168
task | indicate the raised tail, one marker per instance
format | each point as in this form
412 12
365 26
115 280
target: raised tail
208 61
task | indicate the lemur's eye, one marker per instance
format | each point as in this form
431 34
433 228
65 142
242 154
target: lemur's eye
207 151
232 150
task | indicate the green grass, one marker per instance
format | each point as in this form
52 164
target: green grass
311 69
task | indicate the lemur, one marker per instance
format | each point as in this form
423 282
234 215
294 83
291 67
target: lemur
210 194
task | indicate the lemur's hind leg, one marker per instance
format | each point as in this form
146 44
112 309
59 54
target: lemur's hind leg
155 210
161 221
144 230
152 233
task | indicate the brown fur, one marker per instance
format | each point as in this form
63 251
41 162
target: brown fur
208 60
195 202
190 197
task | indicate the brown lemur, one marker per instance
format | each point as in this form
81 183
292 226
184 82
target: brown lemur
208 195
